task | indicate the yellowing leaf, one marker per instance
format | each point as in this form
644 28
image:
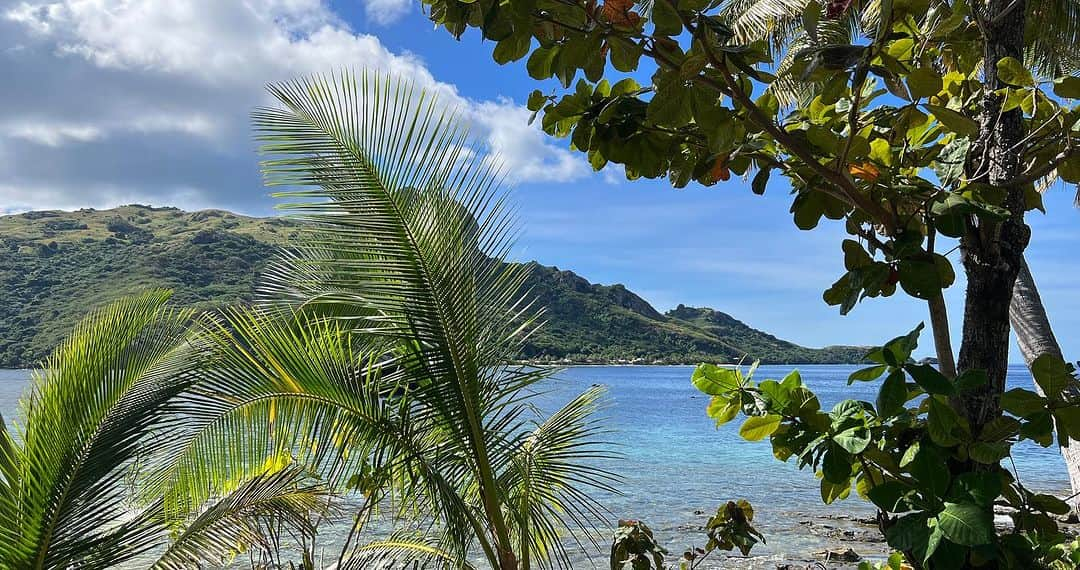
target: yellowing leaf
757 428
864 171
1011 71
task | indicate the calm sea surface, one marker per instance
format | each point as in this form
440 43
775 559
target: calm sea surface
678 467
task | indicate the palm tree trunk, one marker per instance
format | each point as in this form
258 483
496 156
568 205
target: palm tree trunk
1035 338
993 251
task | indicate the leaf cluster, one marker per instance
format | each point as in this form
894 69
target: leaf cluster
873 129
933 478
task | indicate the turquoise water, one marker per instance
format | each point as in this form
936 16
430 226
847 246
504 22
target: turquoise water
677 467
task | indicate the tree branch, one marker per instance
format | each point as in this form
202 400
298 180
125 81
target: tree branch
1039 172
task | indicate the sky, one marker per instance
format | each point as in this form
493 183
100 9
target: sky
110 102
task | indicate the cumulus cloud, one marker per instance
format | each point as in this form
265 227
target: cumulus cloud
125 100
386 11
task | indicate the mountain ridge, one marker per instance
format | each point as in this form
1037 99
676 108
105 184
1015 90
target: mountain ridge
55 265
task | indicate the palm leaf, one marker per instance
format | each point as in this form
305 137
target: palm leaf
238 521
88 416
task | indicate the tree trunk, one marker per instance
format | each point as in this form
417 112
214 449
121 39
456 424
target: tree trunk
1035 338
993 251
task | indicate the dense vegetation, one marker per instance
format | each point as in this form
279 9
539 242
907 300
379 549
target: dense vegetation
916 123
54 266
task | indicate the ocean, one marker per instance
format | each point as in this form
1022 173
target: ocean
677 467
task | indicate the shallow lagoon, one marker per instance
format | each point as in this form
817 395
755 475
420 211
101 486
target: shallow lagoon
677 467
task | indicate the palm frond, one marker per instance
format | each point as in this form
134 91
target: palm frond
1054 32
408 228
554 465
403 551
239 521
90 412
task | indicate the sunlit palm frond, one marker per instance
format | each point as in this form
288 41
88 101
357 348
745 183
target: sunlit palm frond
1054 32
89 413
404 551
553 466
239 521
296 388
270 388
407 226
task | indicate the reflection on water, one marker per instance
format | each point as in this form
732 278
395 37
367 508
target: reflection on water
677 467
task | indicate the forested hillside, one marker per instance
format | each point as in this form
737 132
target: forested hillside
54 266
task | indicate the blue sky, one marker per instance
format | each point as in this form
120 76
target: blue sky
117 102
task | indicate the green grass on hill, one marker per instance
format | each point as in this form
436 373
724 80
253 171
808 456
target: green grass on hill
54 266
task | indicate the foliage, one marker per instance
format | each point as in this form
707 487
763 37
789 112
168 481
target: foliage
90 267
635 545
730 528
63 489
894 451
380 354
211 259
94 420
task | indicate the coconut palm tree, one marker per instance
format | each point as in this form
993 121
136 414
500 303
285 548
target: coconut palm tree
63 484
96 410
381 356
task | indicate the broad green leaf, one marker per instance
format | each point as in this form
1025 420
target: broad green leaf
1000 429
846 414
909 533
867 374
776 395
831 492
970 379
1067 87
1069 171
886 495
1038 427
537 100
512 48
1012 71
666 19
953 121
988 453
836 465
756 428
855 257
967 524
898 350
853 440
1050 504
925 278
893 395
943 423
924 82
929 379
1051 374
716 380
1022 403
539 63
722 409
980 488
760 181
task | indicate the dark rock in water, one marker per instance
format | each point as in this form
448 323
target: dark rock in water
848 555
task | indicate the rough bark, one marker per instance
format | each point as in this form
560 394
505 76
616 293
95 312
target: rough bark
993 251
1035 338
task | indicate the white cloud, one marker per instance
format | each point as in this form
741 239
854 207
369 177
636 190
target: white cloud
522 147
386 11
53 134
140 97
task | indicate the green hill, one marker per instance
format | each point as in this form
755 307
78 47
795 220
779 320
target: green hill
55 265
